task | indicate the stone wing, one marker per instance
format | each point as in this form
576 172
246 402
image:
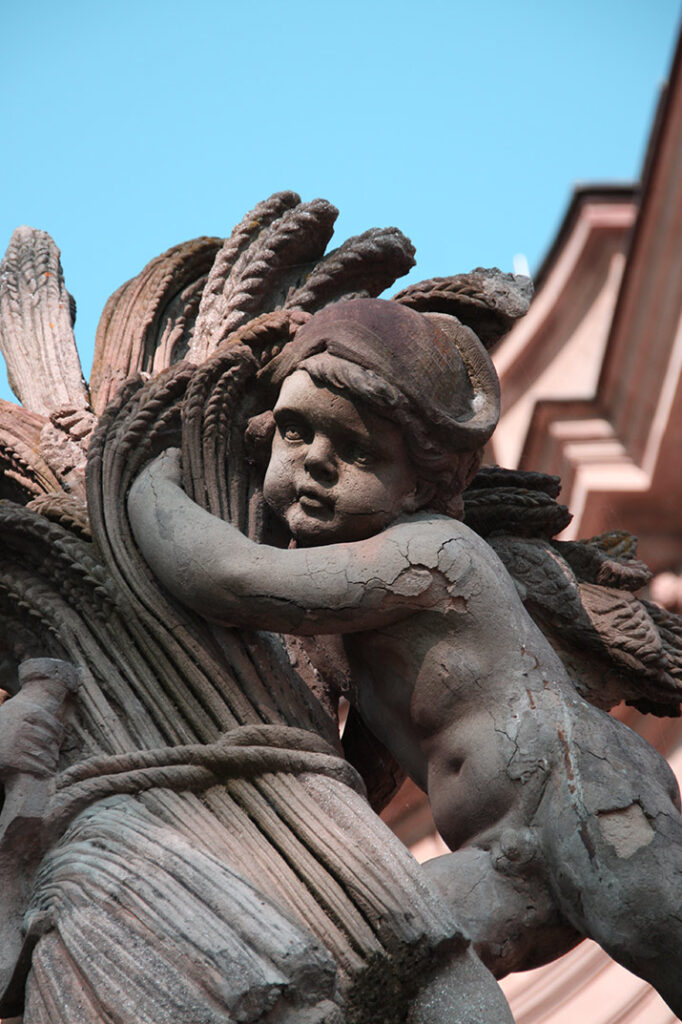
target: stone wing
615 646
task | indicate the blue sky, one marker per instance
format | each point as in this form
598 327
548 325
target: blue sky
129 127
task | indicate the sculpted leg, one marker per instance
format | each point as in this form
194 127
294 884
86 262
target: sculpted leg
629 892
503 902
615 853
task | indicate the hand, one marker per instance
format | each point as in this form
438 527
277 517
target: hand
30 738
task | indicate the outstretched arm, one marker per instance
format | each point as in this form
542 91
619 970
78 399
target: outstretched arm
211 567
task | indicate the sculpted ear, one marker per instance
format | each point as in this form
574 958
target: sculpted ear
258 436
421 496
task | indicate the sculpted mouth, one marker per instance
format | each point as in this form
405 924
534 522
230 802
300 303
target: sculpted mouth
314 502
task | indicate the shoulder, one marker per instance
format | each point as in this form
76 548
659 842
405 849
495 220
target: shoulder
429 529
437 542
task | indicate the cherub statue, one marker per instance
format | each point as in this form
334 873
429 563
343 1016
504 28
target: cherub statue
206 757
563 822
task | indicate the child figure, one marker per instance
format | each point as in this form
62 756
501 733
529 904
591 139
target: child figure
564 822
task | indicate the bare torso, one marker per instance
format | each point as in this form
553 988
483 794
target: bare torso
468 696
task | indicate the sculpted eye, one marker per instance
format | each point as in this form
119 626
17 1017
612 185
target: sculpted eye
290 432
292 428
359 454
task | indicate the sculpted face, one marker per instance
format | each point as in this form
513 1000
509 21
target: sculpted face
337 471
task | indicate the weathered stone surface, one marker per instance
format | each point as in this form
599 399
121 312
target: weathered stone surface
36 325
545 800
200 848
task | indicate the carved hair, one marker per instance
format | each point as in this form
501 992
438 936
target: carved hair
444 474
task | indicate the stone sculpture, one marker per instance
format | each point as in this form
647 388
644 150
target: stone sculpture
203 852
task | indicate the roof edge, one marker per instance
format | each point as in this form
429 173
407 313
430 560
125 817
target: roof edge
596 192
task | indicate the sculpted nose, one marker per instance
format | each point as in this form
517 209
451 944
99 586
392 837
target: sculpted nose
320 460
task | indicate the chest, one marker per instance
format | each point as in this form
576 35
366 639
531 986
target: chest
412 677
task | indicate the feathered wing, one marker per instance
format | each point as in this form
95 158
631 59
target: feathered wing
615 646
